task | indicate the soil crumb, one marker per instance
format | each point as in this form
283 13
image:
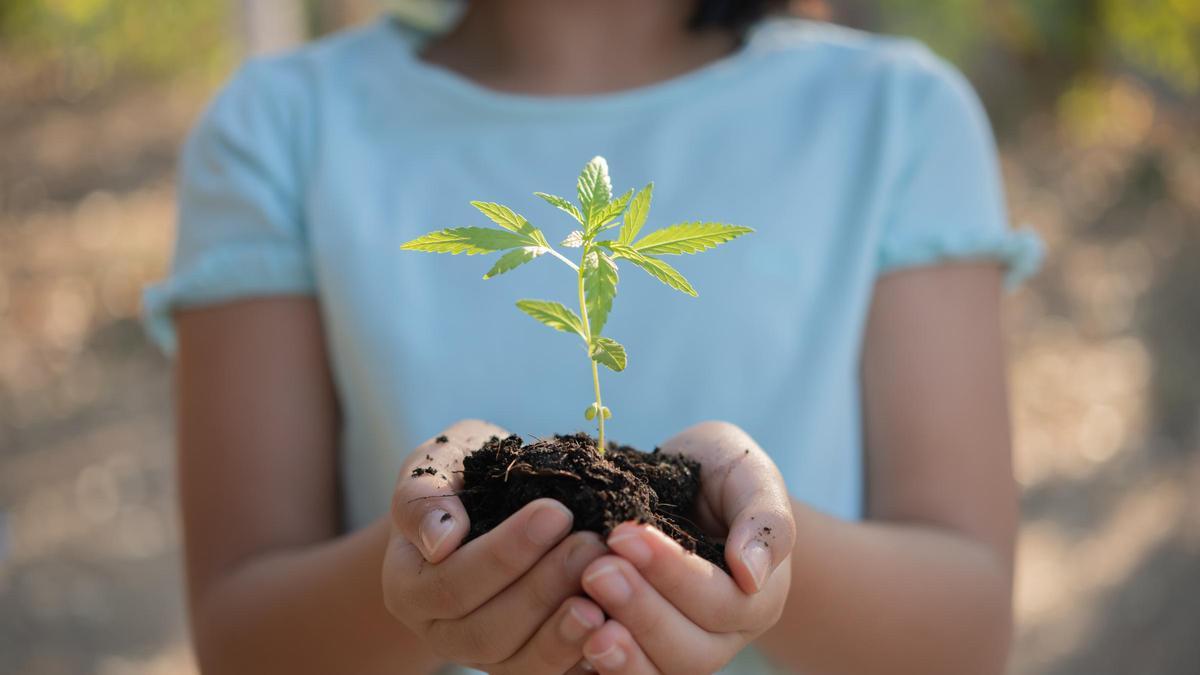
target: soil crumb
602 491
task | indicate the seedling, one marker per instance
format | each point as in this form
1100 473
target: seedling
596 272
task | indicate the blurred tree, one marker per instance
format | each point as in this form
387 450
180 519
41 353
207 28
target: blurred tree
94 39
1072 38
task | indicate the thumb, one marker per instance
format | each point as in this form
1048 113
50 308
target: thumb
762 529
760 540
426 510
747 492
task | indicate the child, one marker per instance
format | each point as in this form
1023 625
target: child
853 340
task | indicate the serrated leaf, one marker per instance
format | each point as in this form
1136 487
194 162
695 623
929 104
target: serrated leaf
562 205
599 288
594 188
554 315
608 352
503 216
573 240
657 268
514 259
469 240
635 217
688 238
610 212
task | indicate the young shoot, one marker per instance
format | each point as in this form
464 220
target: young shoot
596 213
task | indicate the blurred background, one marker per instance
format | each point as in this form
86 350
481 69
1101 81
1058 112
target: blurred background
1096 104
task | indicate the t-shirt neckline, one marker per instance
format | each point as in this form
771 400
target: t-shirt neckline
410 39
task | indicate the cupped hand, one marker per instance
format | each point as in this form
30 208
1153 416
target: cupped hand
505 602
673 612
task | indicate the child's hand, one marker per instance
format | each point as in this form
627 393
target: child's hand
507 602
673 612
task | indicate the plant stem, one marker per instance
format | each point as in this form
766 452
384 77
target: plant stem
563 258
599 405
587 328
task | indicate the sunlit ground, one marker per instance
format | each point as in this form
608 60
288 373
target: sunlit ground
1104 371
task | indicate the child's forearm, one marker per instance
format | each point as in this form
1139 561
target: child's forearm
893 598
317 609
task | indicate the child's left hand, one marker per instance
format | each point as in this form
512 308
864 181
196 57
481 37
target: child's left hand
674 612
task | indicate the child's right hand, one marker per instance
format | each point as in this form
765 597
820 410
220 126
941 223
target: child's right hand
508 601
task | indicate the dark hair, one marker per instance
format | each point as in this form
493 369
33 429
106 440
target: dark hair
731 14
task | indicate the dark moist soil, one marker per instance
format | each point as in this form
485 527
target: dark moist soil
602 491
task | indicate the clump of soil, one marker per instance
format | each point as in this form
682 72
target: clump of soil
602 491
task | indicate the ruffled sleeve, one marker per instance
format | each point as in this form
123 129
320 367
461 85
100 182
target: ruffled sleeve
240 231
948 203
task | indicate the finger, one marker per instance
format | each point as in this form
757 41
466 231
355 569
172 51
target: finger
495 631
557 647
483 567
425 508
613 651
704 593
660 627
745 490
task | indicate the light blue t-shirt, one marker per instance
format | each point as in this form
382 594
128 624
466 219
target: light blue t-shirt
852 155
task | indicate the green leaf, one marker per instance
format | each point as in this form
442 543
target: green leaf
562 205
610 212
514 259
554 315
511 221
657 268
503 216
469 240
595 189
599 288
573 240
590 413
688 238
608 352
635 217
606 412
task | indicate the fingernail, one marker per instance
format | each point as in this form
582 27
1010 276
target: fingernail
583 554
576 625
549 523
611 658
609 584
630 546
435 527
757 559
586 666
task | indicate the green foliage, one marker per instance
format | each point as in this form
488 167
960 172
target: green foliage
592 410
503 216
635 217
555 315
599 287
658 269
595 191
1162 36
563 205
596 273
610 212
471 240
573 240
1077 39
514 259
608 352
688 238
93 40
